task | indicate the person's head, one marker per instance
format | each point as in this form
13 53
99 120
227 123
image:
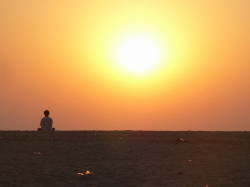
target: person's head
46 113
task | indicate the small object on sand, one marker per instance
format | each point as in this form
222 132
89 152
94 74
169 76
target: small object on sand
86 174
190 161
37 153
178 140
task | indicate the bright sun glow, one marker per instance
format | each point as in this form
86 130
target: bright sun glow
138 54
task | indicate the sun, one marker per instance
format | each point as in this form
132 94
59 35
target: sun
138 54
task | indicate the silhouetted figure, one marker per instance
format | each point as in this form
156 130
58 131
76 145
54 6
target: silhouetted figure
46 122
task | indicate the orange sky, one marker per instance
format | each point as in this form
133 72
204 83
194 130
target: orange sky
60 55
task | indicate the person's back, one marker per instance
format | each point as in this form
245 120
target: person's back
46 122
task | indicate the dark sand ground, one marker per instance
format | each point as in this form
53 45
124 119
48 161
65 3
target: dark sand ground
125 158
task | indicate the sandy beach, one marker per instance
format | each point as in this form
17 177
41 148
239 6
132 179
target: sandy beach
125 158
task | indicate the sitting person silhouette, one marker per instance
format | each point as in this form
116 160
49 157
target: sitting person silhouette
46 122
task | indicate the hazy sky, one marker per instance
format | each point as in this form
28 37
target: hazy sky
61 55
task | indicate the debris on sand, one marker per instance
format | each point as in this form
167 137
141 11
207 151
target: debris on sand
179 140
86 174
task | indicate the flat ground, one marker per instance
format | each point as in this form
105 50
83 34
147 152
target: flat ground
125 158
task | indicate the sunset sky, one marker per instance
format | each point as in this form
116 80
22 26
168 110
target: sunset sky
74 58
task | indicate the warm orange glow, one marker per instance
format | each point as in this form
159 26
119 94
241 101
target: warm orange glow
80 174
86 173
119 65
